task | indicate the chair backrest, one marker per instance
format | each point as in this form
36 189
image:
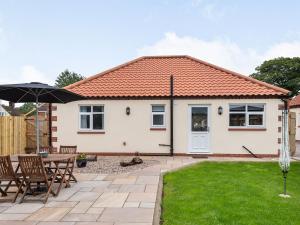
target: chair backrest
48 149
6 169
68 149
32 167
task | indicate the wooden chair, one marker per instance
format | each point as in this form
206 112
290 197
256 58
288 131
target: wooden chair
48 149
63 149
34 172
7 174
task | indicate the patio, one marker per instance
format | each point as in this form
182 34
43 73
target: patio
100 199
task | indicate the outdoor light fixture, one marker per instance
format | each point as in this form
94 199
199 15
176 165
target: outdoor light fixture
220 110
127 110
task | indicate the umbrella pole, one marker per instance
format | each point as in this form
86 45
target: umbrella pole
37 126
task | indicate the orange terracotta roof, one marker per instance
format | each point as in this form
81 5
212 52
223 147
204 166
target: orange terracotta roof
149 76
295 102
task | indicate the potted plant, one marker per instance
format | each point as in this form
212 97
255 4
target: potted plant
81 160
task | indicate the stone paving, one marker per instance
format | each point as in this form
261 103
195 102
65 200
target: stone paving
100 199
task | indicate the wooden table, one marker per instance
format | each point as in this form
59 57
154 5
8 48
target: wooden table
56 159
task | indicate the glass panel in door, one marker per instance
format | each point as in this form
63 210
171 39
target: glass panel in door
199 119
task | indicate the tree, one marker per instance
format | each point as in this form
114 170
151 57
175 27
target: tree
66 78
27 107
282 72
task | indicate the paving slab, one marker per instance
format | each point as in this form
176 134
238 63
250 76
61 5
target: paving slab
56 223
13 216
141 197
61 204
125 180
93 223
93 210
8 222
93 183
133 223
49 214
24 208
151 188
3 208
147 180
111 200
126 215
132 188
81 207
131 204
81 217
100 177
150 205
83 196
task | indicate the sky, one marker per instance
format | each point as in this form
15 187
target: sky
40 39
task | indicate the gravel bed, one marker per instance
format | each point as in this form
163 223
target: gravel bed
111 165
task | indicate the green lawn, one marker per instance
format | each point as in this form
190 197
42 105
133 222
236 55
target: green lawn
226 193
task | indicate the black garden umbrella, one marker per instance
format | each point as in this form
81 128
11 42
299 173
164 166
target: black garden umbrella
38 93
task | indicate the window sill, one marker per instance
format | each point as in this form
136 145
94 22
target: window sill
247 129
90 132
158 128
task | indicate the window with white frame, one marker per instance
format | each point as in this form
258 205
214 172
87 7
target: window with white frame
247 115
158 116
91 117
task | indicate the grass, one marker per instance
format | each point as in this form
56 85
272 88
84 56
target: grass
237 193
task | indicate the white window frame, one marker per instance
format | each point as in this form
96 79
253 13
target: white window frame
91 118
158 113
263 113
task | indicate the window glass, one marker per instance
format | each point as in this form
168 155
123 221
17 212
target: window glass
158 120
98 109
158 108
85 121
199 119
98 121
237 108
85 108
237 119
255 119
256 108
91 117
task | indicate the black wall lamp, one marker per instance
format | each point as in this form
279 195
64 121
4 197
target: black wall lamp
220 110
127 110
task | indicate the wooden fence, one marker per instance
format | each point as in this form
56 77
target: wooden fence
12 135
31 132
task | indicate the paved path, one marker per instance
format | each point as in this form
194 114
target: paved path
98 199
102 199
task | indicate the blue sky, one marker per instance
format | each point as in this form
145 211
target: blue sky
39 39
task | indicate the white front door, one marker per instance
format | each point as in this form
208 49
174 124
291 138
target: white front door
199 128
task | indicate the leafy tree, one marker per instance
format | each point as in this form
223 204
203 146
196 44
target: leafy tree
66 78
282 72
27 107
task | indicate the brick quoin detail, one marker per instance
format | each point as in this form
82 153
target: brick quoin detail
279 118
280 106
279 140
54 139
54 108
279 129
54 118
54 129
